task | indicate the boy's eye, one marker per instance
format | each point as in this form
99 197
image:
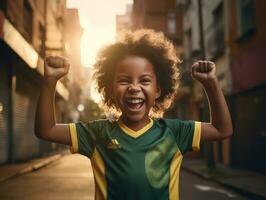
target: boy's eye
145 81
123 81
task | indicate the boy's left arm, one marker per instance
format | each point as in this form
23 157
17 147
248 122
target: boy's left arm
220 126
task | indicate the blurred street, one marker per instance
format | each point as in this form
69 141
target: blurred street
68 178
193 187
71 178
229 33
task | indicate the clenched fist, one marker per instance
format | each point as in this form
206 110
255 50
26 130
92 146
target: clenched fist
203 71
55 67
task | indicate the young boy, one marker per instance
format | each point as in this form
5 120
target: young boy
135 156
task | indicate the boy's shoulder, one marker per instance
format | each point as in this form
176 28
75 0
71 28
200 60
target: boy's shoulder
171 123
98 124
167 121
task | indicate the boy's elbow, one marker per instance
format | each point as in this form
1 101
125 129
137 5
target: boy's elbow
227 133
40 134
37 132
230 131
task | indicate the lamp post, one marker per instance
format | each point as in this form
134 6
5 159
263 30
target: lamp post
208 145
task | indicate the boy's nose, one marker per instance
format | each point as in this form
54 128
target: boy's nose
134 88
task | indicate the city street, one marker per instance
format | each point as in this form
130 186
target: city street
193 187
71 178
180 62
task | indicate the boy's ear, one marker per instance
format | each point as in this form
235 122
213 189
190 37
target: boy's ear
158 93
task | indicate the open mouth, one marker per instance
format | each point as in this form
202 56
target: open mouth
134 103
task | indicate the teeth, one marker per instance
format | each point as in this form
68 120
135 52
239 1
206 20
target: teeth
135 100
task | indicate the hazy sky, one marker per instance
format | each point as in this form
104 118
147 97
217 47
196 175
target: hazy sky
97 17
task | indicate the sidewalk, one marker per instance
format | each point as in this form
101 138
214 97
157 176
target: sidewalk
246 182
12 170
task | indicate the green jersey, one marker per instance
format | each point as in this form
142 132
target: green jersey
129 164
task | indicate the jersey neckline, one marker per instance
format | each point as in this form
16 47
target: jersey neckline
132 133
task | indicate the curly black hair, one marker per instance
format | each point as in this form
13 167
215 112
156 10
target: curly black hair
153 46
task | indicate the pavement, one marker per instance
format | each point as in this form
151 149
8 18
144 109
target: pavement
8 171
248 183
245 182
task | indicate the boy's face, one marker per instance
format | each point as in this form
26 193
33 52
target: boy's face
135 88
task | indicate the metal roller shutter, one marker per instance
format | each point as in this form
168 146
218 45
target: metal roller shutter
4 110
25 93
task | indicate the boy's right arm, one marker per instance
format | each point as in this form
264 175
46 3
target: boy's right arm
45 124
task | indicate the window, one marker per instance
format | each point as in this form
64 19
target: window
171 23
245 19
215 39
27 20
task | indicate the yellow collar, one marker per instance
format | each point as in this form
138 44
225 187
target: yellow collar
133 133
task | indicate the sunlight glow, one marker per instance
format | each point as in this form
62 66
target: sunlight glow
97 18
93 39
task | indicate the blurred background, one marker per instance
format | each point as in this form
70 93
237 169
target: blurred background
232 33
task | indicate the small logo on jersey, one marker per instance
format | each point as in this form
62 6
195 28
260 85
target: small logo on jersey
113 144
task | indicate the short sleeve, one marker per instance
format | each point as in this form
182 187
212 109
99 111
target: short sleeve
187 134
83 136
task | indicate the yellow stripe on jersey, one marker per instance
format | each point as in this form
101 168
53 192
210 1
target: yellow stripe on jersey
133 133
73 137
174 176
196 137
98 168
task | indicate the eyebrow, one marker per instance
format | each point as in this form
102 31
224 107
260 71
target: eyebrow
124 75
148 75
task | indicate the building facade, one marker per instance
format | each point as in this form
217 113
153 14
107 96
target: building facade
23 33
247 52
207 39
124 22
232 37
77 73
159 15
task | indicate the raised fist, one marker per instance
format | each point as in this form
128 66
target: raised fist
55 67
203 71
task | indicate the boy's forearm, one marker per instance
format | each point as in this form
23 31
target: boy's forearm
220 115
45 115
